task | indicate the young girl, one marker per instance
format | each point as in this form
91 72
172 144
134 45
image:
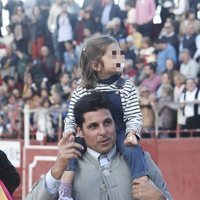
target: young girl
102 62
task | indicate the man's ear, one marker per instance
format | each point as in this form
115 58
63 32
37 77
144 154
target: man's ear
79 132
96 66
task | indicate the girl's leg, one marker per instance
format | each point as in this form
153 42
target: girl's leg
65 187
135 158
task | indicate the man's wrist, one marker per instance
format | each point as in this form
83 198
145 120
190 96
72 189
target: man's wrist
57 171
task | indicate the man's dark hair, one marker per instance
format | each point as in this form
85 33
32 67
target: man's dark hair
90 103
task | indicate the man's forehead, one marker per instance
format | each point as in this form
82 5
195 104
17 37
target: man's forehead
97 116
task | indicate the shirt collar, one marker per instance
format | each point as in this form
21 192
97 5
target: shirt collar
96 155
110 80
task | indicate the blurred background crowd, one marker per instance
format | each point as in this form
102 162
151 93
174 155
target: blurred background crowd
40 48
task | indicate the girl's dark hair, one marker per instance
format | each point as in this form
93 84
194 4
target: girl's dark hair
93 50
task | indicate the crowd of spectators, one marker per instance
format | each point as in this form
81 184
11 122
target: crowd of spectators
40 52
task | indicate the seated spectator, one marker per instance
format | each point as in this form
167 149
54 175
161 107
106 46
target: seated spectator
165 81
152 81
115 29
190 109
5 131
189 67
140 74
189 40
126 45
129 71
190 19
170 69
137 36
71 57
165 51
147 50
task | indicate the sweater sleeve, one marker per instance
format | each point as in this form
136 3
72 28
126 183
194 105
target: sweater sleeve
69 121
131 109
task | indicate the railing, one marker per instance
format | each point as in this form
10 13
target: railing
153 133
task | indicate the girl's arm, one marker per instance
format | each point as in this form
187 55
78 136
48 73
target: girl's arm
131 109
69 121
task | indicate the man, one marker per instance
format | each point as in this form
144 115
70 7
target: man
165 51
152 80
189 67
102 172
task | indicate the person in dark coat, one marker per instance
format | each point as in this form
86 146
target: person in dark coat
8 174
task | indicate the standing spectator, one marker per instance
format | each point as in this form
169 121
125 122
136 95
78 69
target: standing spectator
66 24
22 66
180 9
170 36
46 64
71 57
37 32
189 67
11 6
54 12
20 27
165 51
73 7
191 110
145 11
110 10
152 81
9 62
179 88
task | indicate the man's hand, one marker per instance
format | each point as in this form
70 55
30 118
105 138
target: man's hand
131 139
146 190
67 149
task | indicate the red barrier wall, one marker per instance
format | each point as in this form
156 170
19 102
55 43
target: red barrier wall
179 161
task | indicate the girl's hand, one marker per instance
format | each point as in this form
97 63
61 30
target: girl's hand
131 139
